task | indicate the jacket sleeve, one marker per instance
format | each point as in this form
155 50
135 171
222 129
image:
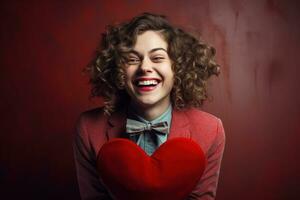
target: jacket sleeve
90 186
207 185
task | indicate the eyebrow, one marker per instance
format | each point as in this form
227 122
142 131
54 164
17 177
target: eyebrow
156 49
151 51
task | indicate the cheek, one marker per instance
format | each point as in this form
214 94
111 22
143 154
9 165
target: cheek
171 78
168 74
129 72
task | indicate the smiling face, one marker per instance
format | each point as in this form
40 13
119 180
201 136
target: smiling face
149 75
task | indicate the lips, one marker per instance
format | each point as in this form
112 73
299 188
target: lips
146 81
146 84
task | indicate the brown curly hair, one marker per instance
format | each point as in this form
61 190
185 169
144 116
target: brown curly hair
192 62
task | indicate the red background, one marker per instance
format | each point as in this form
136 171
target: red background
45 44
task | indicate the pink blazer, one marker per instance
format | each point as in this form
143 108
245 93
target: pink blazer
93 129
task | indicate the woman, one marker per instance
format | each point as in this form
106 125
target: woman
149 72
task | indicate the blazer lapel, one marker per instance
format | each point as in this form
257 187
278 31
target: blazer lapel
180 126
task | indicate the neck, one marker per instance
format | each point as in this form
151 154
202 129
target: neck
150 112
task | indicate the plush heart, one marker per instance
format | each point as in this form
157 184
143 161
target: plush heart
171 172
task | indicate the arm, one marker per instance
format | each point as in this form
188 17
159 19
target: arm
207 186
89 183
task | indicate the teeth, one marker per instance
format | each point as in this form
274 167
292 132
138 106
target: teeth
150 82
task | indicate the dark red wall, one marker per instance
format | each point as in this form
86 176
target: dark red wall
45 44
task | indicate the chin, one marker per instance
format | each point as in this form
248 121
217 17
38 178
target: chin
151 101
146 102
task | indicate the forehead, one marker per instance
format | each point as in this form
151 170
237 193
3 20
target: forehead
149 40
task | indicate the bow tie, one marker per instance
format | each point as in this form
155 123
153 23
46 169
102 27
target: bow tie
135 127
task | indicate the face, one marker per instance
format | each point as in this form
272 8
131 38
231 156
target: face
149 76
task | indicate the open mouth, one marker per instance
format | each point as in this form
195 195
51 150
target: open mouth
146 84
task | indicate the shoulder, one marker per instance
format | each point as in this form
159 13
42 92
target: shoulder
195 115
92 119
92 114
91 128
206 126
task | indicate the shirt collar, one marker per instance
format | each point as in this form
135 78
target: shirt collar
166 116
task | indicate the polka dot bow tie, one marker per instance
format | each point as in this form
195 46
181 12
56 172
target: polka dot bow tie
134 127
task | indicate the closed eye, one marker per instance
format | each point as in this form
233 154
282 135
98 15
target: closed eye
133 61
158 59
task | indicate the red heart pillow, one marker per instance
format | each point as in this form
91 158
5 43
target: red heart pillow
170 173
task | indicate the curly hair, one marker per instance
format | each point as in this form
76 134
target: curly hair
192 63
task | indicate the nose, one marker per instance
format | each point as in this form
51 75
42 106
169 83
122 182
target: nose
146 65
